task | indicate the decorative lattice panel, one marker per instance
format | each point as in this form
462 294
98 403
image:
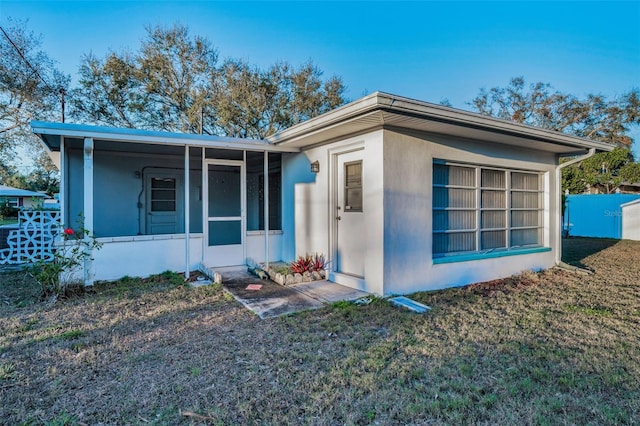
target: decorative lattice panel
34 239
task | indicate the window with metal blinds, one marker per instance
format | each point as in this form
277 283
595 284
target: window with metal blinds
478 209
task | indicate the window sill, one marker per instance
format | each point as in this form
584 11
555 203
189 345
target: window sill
488 255
271 232
149 237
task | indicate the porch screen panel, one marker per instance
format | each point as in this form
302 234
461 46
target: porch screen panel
255 191
479 209
224 190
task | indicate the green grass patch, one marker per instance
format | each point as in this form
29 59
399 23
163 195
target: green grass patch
70 335
6 371
591 310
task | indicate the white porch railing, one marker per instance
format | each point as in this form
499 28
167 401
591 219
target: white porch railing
34 240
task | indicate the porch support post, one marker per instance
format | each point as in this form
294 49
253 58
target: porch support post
187 211
266 209
63 184
204 193
88 211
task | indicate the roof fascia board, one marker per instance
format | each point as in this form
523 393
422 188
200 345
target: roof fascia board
484 122
157 138
330 119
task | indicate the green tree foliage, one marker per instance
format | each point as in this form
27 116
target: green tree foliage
30 88
161 87
605 171
174 83
593 117
24 69
254 103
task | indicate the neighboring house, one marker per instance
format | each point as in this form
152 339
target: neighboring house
20 197
596 215
401 195
623 188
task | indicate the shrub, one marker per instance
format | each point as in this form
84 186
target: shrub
7 210
301 265
57 277
308 263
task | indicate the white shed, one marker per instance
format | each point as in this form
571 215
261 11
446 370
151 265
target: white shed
631 220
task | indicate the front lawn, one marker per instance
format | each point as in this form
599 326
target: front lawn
548 348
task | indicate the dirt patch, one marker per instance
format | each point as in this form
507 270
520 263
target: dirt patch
553 347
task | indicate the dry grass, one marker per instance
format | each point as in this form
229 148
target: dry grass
547 348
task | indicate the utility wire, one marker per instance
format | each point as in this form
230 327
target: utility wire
27 62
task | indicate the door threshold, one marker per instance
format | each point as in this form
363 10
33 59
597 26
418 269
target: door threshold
347 280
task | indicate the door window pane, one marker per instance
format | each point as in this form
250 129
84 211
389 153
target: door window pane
353 187
163 194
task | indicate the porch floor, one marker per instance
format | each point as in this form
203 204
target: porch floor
273 299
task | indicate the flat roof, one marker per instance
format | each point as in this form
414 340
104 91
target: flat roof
9 191
386 111
51 134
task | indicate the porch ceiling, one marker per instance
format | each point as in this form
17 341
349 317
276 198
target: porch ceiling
384 111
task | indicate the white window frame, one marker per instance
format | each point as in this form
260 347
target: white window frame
508 209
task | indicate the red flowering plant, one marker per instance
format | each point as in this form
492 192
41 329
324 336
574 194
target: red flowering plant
308 263
58 277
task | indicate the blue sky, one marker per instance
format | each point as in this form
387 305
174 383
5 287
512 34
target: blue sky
425 50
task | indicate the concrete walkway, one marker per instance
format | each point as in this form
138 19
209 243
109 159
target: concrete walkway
273 299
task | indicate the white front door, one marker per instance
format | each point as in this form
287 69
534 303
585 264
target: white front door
224 213
164 203
349 215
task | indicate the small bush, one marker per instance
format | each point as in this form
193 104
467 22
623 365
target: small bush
301 265
7 210
56 277
308 263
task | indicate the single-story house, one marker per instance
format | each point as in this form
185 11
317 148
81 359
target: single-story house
401 195
17 197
